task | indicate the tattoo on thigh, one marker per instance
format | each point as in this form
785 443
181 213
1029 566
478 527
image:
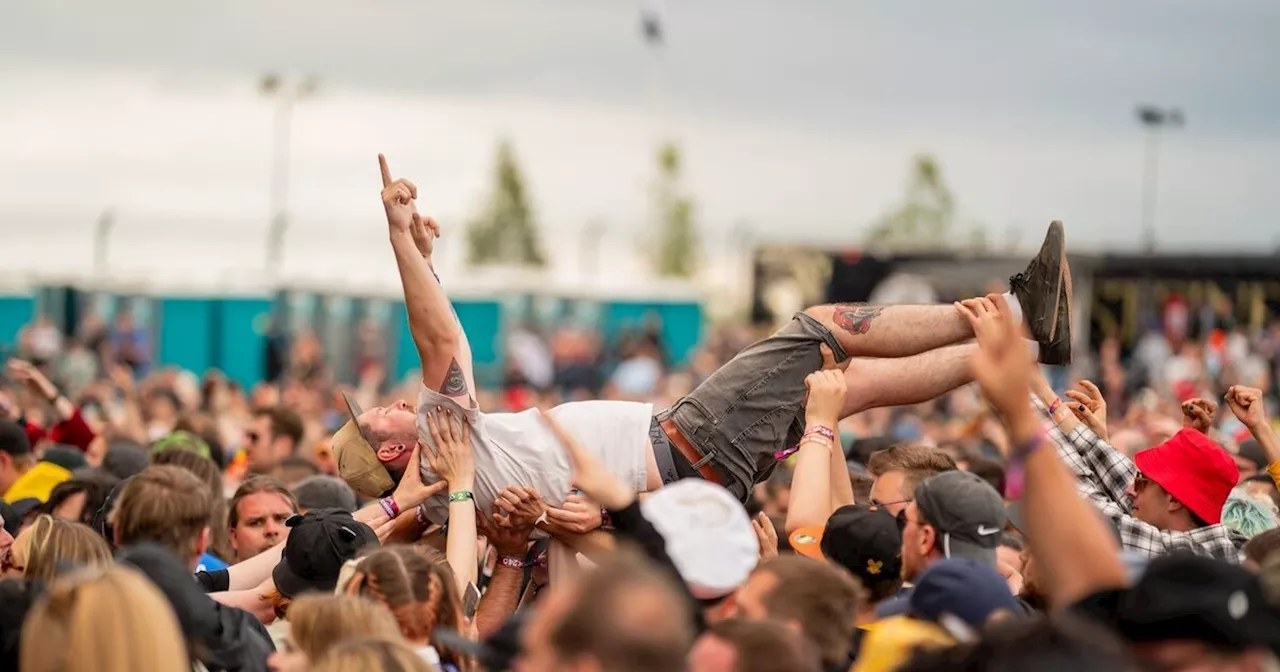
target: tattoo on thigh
455 383
856 318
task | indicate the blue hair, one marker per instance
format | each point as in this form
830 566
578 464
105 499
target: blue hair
1246 515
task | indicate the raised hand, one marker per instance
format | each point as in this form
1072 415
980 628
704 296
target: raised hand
1247 405
24 372
1089 407
826 391
425 230
578 515
398 198
766 535
411 491
589 473
983 314
1198 414
518 506
453 458
510 540
1002 365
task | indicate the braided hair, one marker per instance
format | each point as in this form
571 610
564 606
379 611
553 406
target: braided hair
419 593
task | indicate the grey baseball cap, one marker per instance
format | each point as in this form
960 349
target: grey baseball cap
325 492
967 513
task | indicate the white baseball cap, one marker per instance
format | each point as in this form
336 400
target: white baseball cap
708 535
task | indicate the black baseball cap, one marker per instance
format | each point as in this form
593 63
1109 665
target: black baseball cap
14 439
318 545
1188 597
966 511
863 539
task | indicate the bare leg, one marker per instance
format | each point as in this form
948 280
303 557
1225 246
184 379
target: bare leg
866 330
907 380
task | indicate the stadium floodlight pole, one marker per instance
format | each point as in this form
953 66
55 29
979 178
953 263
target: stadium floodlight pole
1155 119
285 95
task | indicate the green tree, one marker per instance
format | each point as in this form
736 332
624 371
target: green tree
505 231
676 251
923 220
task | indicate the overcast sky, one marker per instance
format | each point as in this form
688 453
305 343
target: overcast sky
798 118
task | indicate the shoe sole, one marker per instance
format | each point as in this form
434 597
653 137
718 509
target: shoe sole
1056 233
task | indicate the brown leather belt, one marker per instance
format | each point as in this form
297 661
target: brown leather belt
681 444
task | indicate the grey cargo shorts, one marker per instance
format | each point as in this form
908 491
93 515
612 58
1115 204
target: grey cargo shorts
753 406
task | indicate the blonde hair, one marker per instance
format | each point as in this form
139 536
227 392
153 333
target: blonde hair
420 593
50 542
317 622
102 620
372 655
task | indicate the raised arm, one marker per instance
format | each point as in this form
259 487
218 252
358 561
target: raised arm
819 460
1250 409
1076 554
442 345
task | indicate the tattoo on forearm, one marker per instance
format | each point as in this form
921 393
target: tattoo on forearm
856 318
455 383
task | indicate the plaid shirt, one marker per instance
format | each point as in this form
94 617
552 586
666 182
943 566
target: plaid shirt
1103 474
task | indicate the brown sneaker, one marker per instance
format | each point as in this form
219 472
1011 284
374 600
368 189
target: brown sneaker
1044 291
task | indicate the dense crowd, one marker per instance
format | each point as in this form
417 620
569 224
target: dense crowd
866 488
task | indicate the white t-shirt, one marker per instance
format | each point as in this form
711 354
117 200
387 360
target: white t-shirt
518 449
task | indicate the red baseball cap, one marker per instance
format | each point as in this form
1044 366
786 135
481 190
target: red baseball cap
1194 470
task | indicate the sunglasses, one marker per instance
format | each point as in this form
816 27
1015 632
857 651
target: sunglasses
901 517
1140 482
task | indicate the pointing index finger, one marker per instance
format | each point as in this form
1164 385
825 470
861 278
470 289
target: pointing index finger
386 172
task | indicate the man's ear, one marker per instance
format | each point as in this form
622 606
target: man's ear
390 451
929 541
202 544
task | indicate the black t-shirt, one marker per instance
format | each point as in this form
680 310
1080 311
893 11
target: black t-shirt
217 581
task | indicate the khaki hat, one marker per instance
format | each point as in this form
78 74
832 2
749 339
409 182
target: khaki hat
357 460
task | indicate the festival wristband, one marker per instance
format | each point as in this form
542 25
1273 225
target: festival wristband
461 496
1053 408
422 517
1013 480
389 506
512 562
820 431
816 440
1022 451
